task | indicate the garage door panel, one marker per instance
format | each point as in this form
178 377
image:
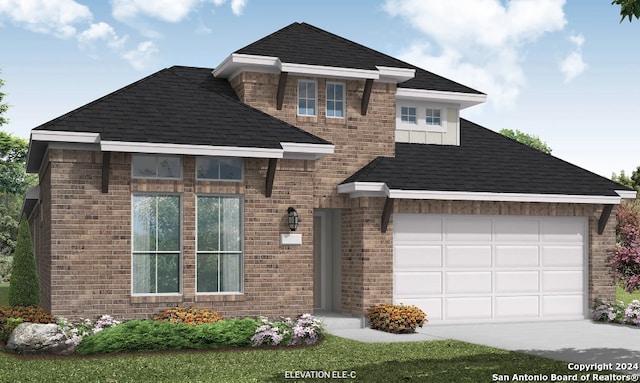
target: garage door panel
416 228
562 229
562 256
483 268
467 229
417 257
469 282
562 305
467 256
517 307
516 256
467 308
562 281
517 281
431 306
416 284
516 229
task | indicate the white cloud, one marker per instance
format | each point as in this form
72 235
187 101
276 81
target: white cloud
480 43
101 31
54 17
142 56
573 65
172 11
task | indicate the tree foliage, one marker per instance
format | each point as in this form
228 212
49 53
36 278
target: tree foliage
527 139
3 107
628 9
632 181
24 289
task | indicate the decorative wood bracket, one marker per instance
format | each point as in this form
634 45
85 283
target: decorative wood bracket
366 95
604 217
386 214
282 84
271 174
106 162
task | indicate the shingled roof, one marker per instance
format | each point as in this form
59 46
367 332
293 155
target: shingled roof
485 161
302 43
180 105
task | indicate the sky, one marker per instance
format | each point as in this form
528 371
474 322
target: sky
565 71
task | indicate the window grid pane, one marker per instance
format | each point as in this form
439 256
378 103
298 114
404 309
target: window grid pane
335 104
219 251
156 244
156 166
408 115
433 117
307 98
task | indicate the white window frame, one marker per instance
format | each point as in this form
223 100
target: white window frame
221 179
241 251
344 101
421 116
180 252
409 108
307 98
156 156
429 113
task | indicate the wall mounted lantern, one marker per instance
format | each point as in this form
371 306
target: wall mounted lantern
293 218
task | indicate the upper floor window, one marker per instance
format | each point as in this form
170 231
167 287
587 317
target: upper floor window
335 99
408 115
156 166
307 97
433 117
219 168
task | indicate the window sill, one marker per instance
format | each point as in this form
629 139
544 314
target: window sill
164 298
423 128
220 297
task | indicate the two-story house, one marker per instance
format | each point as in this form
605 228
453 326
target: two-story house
308 172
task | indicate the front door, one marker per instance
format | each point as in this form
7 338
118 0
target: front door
326 260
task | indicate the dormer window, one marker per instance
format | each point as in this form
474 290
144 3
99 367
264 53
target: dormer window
433 117
408 115
307 97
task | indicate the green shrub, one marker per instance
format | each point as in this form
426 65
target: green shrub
24 289
146 335
6 263
397 319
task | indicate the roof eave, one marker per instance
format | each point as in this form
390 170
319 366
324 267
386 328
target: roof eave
465 100
380 189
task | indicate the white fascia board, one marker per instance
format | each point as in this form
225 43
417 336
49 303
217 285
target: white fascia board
465 100
302 151
501 197
235 62
59 136
364 189
196 150
396 75
328 71
627 194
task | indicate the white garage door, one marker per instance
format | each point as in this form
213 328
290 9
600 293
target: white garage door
489 268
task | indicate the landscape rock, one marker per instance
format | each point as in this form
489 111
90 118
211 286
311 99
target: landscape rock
36 338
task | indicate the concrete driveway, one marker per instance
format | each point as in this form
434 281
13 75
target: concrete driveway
580 341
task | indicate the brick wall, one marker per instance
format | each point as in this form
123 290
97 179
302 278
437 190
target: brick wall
90 253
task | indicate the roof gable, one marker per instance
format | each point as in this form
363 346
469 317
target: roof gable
302 43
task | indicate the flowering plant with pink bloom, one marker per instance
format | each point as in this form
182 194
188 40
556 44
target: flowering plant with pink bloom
305 330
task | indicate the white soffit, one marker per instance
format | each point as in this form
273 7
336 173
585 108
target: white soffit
301 151
237 63
465 100
378 189
196 150
627 194
55 136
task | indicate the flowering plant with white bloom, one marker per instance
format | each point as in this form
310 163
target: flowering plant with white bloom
77 331
306 329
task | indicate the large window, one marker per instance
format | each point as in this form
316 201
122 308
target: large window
307 97
219 168
156 166
335 99
156 244
219 249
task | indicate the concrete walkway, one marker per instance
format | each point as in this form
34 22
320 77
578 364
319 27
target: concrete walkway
580 341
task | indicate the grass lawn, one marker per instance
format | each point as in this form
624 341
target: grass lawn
626 297
4 294
435 361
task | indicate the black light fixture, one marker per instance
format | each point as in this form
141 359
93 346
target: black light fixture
293 218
